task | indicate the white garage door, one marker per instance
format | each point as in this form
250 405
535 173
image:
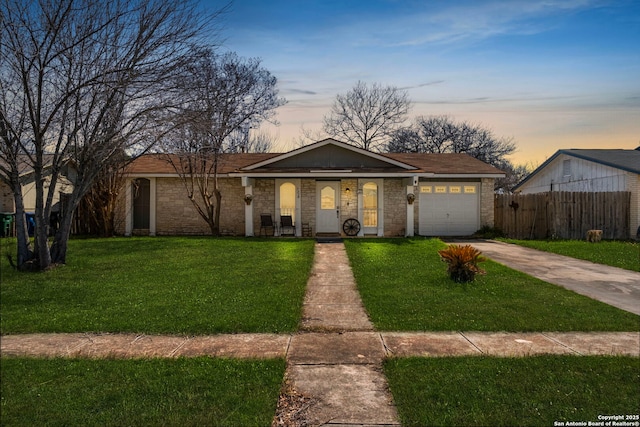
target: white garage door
449 209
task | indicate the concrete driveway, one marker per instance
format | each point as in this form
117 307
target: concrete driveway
615 286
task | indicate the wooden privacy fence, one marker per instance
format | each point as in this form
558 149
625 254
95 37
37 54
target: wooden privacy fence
563 215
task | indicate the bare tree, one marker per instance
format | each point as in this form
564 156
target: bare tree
441 134
514 174
366 116
259 142
245 141
99 204
308 136
82 81
225 94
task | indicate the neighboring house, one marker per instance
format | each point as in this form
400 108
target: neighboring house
27 181
6 198
321 186
578 170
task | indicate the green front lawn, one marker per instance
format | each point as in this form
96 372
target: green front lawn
201 285
609 252
169 392
405 287
529 391
177 285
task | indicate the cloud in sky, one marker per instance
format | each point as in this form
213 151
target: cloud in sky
524 68
432 83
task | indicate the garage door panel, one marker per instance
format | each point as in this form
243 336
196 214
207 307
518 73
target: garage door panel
449 214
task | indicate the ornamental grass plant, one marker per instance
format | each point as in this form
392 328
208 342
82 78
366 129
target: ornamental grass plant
462 262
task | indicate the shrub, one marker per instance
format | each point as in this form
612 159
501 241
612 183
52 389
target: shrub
487 232
463 262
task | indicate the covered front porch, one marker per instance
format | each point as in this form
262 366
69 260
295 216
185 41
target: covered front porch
332 188
326 205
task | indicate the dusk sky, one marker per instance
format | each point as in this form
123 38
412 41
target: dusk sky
550 74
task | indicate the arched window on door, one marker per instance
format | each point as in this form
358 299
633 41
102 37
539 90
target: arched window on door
288 200
370 204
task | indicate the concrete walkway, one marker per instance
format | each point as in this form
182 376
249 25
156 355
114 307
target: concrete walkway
615 286
338 364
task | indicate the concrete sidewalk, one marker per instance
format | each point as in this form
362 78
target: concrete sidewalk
615 286
323 348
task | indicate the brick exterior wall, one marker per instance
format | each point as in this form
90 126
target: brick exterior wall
395 207
176 215
308 203
486 202
264 201
232 214
122 210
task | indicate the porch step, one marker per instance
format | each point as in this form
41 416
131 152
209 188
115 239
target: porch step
328 238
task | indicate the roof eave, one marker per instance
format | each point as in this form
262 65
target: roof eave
470 175
407 174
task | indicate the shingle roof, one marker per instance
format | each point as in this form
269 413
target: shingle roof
25 165
628 160
449 163
445 163
152 164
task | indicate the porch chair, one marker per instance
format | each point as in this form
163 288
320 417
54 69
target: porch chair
286 223
266 222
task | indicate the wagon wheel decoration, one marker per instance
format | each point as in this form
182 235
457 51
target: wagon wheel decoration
351 227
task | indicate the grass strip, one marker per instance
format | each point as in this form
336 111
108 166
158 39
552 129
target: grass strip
531 391
169 392
405 287
162 285
622 254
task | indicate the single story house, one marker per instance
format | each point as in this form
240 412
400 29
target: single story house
320 186
590 170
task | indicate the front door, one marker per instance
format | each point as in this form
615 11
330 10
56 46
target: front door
328 206
141 190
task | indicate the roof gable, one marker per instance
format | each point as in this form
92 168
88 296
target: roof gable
330 154
627 160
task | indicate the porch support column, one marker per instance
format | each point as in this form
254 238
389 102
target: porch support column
247 183
360 209
128 210
410 208
152 206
